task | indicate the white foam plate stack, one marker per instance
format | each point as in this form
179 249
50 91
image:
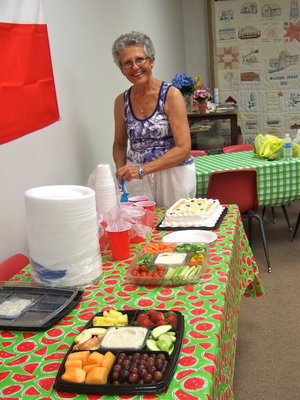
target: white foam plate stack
62 232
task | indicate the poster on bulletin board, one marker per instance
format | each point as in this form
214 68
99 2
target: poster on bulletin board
255 53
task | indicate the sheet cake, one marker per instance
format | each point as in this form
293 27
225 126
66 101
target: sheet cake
193 213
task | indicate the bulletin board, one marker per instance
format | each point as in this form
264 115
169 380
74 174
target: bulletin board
255 58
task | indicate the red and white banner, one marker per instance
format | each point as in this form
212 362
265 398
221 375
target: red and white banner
27 91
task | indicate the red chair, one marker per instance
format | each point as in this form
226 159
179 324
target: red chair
246 147
198 153
239 187
273 215
12 266
237 147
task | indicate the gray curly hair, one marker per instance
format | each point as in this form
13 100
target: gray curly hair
132 38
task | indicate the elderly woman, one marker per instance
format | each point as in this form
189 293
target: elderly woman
151 115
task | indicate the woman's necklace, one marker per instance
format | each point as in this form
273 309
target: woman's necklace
138 104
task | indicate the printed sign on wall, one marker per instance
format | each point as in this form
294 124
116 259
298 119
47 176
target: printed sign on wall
257 63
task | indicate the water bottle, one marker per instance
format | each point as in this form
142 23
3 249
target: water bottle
297 138
216 97
287 147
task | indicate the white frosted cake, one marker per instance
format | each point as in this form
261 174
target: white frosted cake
193 213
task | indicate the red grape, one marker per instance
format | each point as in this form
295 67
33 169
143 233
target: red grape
157 376
138 368
133 378
148 378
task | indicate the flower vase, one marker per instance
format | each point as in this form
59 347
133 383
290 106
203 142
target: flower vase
202 107
188 102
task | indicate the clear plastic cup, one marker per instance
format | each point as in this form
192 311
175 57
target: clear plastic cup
135 199
135 216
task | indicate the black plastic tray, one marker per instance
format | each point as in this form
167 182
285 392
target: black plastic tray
183 228
48 306
110 388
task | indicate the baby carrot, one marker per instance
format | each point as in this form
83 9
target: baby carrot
158 248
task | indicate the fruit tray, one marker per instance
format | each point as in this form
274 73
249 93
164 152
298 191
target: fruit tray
148 369
169 264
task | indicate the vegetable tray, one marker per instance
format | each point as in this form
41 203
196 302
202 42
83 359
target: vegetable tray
118 382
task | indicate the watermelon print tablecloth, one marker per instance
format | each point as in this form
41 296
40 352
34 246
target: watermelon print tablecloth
30 360
278 182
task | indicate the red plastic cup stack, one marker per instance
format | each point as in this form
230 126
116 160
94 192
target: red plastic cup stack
149 207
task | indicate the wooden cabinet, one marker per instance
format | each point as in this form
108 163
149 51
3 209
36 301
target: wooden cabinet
195 121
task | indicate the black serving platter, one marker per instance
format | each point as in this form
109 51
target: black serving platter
109 387
183 228
47 306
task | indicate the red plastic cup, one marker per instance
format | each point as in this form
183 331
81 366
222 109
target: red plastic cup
147 205
138 198
119 242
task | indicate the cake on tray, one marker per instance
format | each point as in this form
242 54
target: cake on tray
193 213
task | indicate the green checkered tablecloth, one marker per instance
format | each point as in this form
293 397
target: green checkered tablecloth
278 182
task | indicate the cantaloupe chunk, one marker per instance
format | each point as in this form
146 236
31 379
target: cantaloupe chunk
77 362
88 367
95 358
108 360
97 375
82 355
74 374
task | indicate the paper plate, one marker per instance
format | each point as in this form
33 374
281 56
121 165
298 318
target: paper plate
190 236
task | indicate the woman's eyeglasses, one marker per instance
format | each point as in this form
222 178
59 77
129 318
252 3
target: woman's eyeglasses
137 61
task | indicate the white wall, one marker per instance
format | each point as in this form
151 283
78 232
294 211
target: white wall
81 33
196 39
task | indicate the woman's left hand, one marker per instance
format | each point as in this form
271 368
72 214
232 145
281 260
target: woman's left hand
128 172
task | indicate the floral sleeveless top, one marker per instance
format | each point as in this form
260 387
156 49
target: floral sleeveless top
149 138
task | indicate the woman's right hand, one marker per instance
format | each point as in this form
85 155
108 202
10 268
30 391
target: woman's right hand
127 172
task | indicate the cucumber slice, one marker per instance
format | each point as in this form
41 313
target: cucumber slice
197 270
192 270
186 272
178 271
169 273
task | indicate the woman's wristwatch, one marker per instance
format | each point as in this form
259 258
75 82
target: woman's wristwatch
141 172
